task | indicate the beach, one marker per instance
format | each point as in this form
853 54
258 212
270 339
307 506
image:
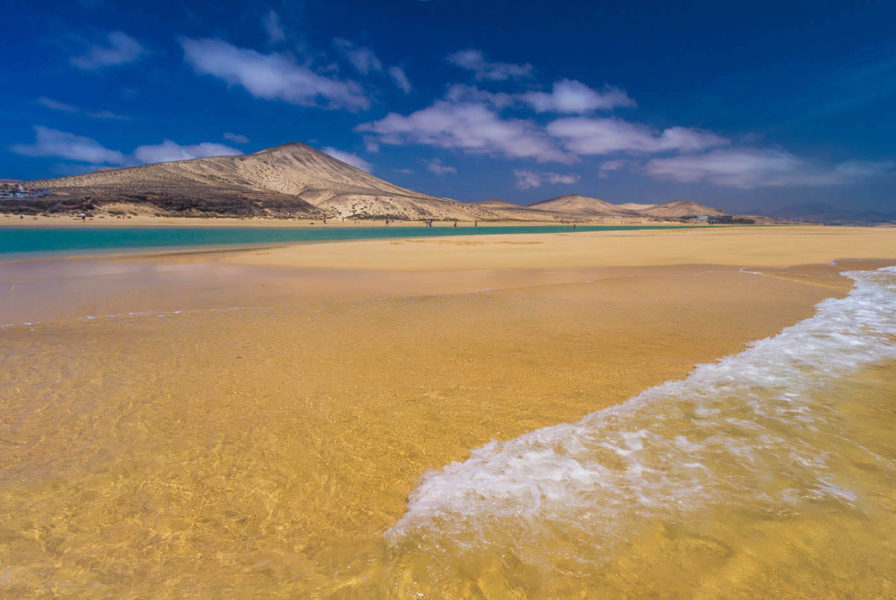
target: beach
259 422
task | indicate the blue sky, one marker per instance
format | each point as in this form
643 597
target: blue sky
738 105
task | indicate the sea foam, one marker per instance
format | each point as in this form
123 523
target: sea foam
747 432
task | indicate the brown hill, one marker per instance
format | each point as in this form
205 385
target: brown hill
289 180
578 205
678 209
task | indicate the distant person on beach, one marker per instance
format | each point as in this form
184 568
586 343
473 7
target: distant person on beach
455 223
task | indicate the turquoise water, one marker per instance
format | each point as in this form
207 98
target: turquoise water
29 241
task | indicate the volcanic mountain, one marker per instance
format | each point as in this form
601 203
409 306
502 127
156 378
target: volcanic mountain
290 180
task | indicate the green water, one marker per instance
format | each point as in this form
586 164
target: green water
31 241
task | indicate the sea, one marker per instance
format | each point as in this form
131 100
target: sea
39 241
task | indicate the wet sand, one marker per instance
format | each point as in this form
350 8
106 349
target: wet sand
257 424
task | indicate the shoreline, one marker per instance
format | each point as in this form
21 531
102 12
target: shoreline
59 221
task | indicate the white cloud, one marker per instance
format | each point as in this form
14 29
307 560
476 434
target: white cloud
604 136
401 79
121 49
436 166
236 138
169 151
349 159
473 60
271 76
469 127
610 166
532 179
751 168
56 105
460 92
363 59
273 27
569 96
52 142
61 144
404 171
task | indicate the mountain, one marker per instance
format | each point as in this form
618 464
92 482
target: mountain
679 209
297 181
583 206
821 212
289 180
578 205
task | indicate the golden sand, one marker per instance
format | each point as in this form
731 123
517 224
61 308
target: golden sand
258 442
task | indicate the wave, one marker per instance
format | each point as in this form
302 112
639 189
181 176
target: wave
748 432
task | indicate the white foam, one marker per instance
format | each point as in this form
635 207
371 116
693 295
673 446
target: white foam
744 431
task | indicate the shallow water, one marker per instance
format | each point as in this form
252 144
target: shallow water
768 473
38 241
261 453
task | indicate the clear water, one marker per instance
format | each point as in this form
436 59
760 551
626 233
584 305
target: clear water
32 241
783 452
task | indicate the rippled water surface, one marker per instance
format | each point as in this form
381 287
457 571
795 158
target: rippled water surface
253 453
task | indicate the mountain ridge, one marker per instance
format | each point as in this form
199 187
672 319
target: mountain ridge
295 180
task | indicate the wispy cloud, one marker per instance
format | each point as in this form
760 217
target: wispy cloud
400 79
363 59
532 179
236 138
56 105
752 168
439 168
473 60
120 49
605 136
470 127
460 92
108 115
70 108
570 96
69 146
349 159
273 27
61 144
271 76
169 151
611 166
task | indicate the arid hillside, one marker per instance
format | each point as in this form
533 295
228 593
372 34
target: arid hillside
297 181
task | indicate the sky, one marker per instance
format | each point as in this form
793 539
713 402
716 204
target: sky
746 106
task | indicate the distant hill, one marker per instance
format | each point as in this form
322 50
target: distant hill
585 206
821 212
680 208
579 205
